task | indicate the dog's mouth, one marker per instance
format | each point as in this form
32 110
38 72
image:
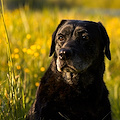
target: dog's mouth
68 68
65 67
69 72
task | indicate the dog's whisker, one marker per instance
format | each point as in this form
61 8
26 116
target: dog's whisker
64 116
106 115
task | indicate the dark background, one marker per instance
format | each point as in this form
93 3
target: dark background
39 4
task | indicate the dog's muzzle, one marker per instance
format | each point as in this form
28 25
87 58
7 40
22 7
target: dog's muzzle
65 55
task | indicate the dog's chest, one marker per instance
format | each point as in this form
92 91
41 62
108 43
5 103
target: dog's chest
65 90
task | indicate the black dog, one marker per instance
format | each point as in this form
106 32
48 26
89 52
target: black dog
73 87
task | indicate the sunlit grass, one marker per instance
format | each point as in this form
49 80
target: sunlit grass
24 58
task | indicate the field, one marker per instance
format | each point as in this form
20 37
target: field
24 56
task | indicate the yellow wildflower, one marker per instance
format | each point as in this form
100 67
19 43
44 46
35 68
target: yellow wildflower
16 56
26 70
29 51
24 50
16 50
37 84
28 36
18 67
33 47
42 69
36 54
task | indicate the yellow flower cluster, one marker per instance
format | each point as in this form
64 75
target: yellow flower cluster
26 70
34 50
15 54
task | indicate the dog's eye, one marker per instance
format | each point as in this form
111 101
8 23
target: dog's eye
61 38
85 37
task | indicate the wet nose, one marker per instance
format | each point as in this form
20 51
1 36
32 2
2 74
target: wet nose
65 54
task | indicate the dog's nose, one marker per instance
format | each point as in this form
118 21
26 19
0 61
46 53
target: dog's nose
65 54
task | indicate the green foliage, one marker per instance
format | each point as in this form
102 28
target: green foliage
24 56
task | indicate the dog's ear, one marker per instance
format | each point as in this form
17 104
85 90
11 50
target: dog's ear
106 40
53 38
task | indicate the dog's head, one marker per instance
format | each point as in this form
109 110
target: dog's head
77 44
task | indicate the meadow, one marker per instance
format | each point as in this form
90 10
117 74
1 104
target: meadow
24 56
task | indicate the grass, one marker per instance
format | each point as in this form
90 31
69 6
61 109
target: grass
25 41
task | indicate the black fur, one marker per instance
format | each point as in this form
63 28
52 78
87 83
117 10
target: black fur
82 94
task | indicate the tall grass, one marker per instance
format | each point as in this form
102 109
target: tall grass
24 47
12 98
